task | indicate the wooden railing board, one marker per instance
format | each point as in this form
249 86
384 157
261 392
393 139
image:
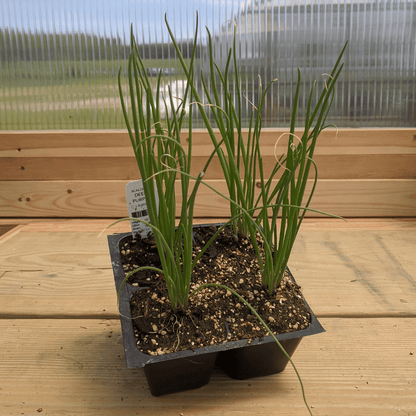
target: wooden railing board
330 166
22 142
97 199
83 173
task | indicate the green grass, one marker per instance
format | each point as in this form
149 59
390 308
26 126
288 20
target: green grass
36 107
38 71
63 120
58 103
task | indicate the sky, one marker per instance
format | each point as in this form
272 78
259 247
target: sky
113 17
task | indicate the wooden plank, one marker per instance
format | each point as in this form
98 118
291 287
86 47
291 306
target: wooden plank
98 142
352 272
362 224
109 168
309 224
350 154
21 142
63 225
330 166
58 293
349 198
52 252
360 367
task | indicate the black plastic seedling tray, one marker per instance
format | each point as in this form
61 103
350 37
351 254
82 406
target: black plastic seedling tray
186 370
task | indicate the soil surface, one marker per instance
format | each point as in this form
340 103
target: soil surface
214 315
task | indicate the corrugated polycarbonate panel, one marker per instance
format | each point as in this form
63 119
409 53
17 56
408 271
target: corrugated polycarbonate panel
59 60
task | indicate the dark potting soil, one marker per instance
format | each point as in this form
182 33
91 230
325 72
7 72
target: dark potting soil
229 261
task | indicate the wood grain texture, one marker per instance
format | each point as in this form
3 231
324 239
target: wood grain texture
358 276
83 173
76 367
350 154
80 142
95 199
52 252
57 293
58 272
358 273
330 166
310 224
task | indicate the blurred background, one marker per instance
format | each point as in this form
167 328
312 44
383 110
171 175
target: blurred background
59 60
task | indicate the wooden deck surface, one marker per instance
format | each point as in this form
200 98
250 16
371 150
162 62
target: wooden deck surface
61 350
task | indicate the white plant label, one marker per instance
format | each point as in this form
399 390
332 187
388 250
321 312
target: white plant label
137 207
